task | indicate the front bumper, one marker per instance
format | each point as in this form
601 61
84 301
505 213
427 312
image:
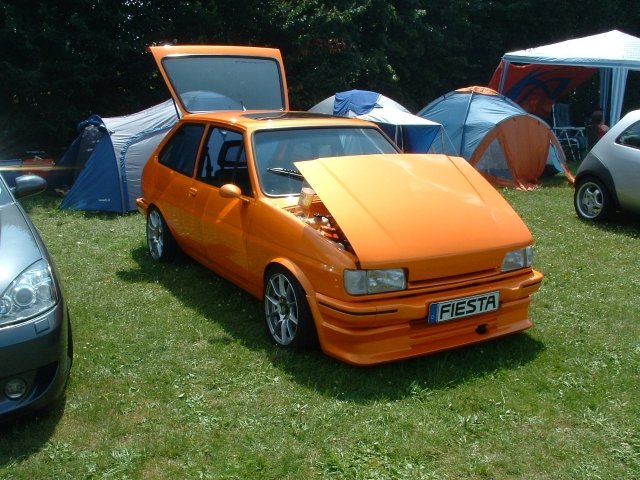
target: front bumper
384 330
37 351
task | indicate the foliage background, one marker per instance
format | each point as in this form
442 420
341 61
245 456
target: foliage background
62 61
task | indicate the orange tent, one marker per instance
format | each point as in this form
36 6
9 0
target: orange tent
509 146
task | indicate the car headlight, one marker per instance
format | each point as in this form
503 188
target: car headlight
30 294
515 259
361 282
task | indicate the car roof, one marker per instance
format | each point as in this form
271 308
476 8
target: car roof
258 120
630 117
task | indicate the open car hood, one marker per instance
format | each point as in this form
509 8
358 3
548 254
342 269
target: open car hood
417 210
206 78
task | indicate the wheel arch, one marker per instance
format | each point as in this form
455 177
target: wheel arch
295 270
592 167
154 206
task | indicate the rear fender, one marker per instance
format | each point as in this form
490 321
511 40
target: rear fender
591 166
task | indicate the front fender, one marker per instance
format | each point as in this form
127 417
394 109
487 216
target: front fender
295 270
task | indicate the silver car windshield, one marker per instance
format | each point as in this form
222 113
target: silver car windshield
5 197
277 150
214 83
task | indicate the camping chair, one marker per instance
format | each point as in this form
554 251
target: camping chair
571 138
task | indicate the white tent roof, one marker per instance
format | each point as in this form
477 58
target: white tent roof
411 132
386 110
615 52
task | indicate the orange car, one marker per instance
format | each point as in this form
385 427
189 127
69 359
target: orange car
372 254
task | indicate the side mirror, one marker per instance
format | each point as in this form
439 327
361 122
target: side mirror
229 190
29 185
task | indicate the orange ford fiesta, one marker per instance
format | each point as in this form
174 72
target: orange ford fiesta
371 254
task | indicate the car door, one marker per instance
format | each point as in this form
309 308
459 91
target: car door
224 221
624 165
178 194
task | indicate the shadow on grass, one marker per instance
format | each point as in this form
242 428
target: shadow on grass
556 181
406 378
26 435
241 317
43 200
624 223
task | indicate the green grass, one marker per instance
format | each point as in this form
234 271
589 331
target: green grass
174 376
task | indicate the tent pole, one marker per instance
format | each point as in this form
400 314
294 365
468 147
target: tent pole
618 84
464 124
503 75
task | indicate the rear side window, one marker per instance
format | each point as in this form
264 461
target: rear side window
631 136
181 151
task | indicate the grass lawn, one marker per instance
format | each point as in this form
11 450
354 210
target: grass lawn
174 376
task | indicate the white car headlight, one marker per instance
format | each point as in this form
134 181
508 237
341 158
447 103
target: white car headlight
30 294
515 259
361 282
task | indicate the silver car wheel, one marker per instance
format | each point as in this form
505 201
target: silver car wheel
155 237
160 242
281 309
592 200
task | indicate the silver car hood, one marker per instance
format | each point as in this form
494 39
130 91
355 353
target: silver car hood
19 244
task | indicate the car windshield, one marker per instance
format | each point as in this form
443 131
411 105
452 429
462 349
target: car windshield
4 192
277 150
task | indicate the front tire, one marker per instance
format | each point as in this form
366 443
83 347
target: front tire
592 200
160 242
287 315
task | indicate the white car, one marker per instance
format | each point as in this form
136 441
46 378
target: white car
609 177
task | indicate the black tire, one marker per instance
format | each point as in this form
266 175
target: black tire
160 242
592 200
70 345
287 315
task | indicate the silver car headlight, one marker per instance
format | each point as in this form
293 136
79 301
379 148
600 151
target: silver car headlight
361 282
30 294
515 259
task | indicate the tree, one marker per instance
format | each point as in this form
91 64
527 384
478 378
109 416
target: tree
66 60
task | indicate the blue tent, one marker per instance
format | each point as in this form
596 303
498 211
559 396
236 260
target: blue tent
410 132
104 163
505 143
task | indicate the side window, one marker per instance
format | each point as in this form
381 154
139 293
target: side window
631 136
182 149
223 160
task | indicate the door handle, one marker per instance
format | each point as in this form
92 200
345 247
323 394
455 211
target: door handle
192 192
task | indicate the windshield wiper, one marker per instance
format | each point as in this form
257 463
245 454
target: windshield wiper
285 172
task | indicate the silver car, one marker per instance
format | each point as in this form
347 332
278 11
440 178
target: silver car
36 349
609 177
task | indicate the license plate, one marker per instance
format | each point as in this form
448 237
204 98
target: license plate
463 307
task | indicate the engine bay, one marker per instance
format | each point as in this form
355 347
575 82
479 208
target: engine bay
311 211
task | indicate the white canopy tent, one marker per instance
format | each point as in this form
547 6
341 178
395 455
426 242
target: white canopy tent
615 53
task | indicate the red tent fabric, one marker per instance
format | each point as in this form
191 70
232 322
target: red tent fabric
537 87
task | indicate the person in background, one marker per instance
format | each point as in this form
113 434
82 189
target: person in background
596 128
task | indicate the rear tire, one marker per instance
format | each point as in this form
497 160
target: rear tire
592 200
287 315
160 242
